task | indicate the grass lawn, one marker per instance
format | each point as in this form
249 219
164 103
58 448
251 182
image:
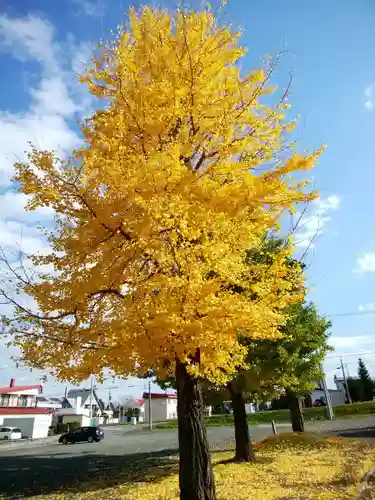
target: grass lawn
289 466
355 410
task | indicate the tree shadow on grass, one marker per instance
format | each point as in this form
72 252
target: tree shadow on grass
27 475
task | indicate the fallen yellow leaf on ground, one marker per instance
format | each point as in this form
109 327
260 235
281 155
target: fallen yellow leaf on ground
289 466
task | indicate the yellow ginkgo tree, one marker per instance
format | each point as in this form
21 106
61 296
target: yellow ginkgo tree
178 175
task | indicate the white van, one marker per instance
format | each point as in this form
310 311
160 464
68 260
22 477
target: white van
10 433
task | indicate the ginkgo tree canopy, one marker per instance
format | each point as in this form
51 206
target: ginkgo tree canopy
179 174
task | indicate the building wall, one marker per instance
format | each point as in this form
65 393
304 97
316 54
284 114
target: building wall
162 409
250 408
83 420
16 399
28 392
32 426
41 426
337 397
75 411
48 404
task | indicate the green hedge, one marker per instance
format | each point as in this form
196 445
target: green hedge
365 408
61 428
266 417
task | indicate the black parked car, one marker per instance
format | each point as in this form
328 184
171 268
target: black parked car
89 434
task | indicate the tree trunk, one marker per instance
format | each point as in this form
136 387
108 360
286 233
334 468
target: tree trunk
244 447
196 474
295 406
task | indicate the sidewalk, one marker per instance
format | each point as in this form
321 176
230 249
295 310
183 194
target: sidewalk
19 443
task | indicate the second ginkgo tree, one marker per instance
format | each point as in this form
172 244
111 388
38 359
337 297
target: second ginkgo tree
179 174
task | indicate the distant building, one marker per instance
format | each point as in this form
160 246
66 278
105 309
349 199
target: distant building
164 407
18 408
75 407
46 402
338 396
133 403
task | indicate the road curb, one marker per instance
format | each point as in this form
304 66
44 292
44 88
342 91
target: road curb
24 442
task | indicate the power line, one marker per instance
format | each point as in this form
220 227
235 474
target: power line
359 354
353 313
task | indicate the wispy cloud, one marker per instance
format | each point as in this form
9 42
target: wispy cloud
366 263
342 343
52 105
369 306
55 102
370 96
30 37
311 225
92 8
48 119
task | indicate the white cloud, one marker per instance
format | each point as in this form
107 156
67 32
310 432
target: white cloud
12 208
340 343
369 306
366 263
46 131
31 37
47 120
92 8
370 96
18 236
82 56
53 103
52 98
311 226
18 229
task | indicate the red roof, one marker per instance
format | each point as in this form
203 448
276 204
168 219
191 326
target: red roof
7 390
73 415
155 395
26 411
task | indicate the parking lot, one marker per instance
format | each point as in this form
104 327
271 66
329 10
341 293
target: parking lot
37 468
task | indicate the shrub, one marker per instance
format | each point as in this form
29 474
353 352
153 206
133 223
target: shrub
61 428
74 425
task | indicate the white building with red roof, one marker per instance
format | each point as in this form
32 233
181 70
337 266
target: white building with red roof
18 408
163 406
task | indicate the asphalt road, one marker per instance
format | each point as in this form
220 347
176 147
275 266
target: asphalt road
42 469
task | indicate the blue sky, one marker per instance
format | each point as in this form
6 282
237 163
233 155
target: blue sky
326 47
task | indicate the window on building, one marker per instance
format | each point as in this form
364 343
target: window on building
4 400
31 401
22 401
13 400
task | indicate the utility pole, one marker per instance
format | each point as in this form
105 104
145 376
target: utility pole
327 396
91 395
149 406
345 381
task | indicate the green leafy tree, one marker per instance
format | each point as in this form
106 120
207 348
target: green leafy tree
258 380
368 386
355 389
291 363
